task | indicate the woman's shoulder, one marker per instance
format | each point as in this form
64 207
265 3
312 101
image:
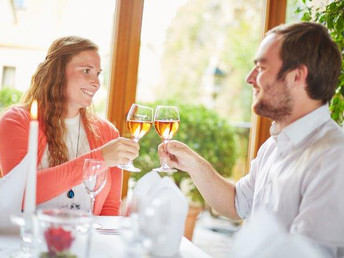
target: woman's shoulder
14 118
105 124
16 112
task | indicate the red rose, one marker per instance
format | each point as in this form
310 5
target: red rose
58 239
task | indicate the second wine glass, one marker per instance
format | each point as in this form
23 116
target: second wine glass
166 123
139 122
94 178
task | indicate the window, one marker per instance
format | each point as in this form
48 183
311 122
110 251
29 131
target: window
293 5
8 77
200 52
24 44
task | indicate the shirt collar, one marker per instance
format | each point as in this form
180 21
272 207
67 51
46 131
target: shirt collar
296 132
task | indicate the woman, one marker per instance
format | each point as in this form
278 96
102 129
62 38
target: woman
64 85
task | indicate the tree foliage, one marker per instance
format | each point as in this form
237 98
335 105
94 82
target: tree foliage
331 16
201 129
9 96
206 34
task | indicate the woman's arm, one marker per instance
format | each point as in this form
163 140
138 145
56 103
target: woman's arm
14 131
112 204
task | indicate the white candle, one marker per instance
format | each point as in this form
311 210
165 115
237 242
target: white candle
30 192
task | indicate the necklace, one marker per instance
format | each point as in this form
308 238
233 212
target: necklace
70 193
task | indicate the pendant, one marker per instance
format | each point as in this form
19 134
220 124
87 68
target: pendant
70 194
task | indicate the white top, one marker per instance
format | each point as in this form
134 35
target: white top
81 199
299 175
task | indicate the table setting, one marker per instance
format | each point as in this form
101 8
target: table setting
152 227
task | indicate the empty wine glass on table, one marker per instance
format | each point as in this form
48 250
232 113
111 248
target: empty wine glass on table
166 123
139 122
94 178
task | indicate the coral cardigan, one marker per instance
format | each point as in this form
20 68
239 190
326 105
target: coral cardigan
53 181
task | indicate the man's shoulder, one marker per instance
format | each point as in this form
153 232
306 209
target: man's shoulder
331 134
267 146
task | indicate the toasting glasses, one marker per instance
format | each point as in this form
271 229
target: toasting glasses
139 122
94 178
166 123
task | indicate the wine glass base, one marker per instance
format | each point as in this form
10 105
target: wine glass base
165 170
20 254
130 168
97 225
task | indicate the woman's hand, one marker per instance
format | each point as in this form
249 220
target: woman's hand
120 151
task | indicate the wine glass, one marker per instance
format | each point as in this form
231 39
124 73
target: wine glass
94 178
139 122
166 123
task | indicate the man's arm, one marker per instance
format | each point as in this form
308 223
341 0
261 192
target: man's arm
216 190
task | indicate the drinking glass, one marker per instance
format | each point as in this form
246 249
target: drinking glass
166 123
139 122
94 178
28 245
64 233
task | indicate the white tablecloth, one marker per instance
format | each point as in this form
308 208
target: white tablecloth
102 245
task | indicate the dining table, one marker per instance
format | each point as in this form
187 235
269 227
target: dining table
106 241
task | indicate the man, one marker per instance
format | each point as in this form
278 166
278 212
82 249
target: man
298 173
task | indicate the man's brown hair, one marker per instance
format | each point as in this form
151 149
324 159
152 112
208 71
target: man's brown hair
310 44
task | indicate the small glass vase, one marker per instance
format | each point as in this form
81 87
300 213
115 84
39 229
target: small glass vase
64 233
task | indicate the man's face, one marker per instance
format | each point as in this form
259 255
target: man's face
272 98
82 80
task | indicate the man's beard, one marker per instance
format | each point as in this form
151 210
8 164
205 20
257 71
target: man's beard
275 109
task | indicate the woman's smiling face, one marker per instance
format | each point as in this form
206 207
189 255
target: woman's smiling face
82 80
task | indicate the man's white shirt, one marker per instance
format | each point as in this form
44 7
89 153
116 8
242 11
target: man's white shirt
299 176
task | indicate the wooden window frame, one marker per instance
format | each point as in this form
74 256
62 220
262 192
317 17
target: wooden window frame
274 13
125 59
124 65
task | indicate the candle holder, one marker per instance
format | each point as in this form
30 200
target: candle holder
28 234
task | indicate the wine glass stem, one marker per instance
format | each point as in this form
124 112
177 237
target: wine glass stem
92 204
164 162
130 163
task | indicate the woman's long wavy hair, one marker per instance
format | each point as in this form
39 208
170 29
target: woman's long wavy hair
48 87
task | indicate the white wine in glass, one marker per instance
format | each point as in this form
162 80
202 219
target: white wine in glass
139 122
166 123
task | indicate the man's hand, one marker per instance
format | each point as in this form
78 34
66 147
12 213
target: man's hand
179 155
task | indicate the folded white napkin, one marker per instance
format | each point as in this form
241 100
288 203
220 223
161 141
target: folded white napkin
12 187
145 185
162 213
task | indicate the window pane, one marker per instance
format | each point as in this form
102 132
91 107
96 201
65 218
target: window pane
293 5
25 38
8 77
199 52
